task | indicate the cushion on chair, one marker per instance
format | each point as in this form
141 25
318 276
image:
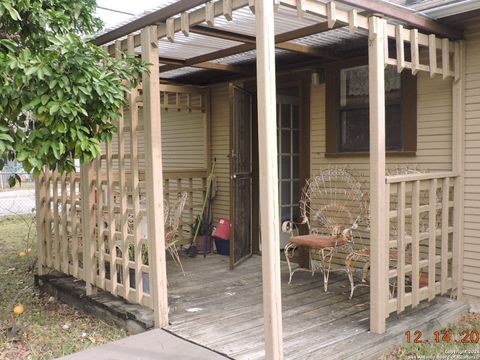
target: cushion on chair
317 241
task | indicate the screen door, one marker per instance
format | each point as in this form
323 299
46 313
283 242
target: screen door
241 175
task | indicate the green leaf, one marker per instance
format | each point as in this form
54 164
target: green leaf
54 108
12 181
6 137
12 12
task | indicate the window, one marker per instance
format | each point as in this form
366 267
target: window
348 110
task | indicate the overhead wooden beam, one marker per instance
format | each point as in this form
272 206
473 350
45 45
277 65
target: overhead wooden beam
223 67
159 16
247 39
238 49
395 12
222 34
206 65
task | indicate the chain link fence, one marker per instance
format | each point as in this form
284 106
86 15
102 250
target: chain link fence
19 200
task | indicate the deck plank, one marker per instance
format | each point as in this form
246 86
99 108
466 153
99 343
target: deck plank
223 310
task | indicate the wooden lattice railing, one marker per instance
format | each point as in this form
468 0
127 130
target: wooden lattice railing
116 222
421 238
59 213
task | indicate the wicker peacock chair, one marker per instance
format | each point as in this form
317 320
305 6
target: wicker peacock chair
331 207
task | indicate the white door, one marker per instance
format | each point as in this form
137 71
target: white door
288 136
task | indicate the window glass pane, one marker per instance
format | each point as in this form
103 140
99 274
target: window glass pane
286 173
286 115
354 109
354 86
285 214
295 117
296 166
286 192
354 130
286 141
393 127
296 140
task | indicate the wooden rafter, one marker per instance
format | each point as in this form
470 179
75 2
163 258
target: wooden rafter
155 17
207 65
198 16
247 39
238 49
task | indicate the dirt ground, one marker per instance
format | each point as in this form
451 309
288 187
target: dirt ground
46 329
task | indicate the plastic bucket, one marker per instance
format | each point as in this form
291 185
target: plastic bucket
223 246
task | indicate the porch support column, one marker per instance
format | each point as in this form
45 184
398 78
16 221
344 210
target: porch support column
378 244
268 176
458 167
154 177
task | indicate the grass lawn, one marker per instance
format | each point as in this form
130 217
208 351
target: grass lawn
459 340
47 329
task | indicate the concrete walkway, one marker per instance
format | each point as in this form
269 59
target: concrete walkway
154 344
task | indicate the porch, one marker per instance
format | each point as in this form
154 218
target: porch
105 225
222 310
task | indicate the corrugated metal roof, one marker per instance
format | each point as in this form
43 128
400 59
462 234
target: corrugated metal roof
243 22
286 20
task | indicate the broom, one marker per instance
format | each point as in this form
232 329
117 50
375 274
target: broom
192 250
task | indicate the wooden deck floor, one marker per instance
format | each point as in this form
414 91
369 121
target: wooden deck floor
222 310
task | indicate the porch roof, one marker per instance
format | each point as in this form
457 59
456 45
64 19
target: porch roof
228 48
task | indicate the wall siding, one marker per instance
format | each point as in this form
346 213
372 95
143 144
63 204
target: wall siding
434 142
471 275
183 140
184 144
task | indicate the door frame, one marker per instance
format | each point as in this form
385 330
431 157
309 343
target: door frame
301 80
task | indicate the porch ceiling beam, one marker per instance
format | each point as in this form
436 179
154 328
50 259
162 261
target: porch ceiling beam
238 49
247 39
159 16
395 12
206 65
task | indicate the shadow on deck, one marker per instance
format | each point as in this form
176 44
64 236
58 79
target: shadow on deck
222 310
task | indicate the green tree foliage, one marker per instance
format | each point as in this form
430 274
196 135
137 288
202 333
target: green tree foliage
60 94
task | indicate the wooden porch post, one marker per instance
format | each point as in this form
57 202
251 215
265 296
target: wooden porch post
154 177
458 156
268 178
378 244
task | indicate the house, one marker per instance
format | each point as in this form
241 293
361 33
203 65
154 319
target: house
366 84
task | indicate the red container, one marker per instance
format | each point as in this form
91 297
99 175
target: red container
222 231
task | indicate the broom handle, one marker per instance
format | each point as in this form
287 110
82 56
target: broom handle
209 185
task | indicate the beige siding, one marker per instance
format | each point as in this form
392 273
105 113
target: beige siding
434 142
472 163
434 117
183 140
220 148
